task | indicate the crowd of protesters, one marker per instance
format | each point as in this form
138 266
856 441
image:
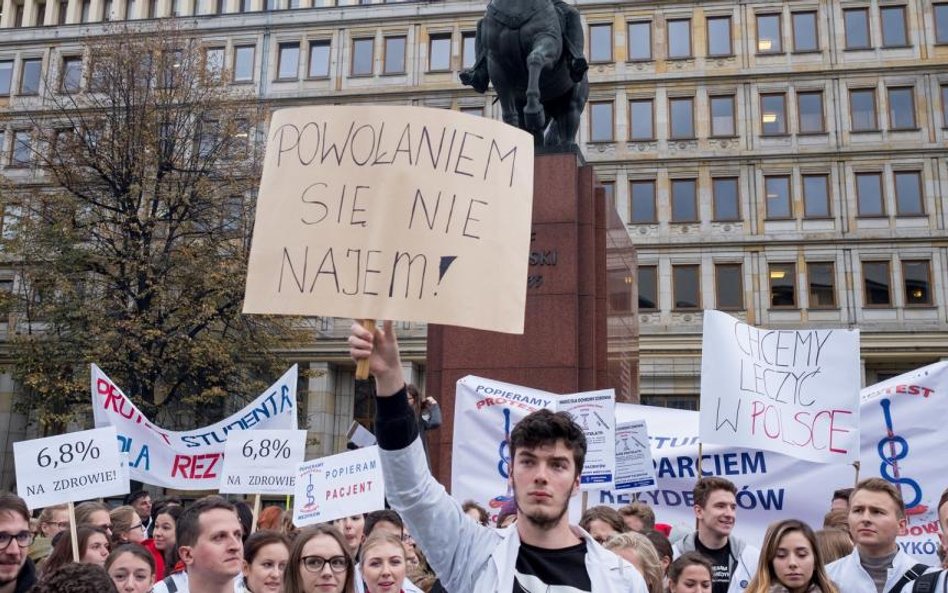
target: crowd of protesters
429 543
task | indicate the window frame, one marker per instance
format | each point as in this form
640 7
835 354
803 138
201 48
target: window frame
611 37
800 129
827 194
671 126
809 285
943 91
612 121
651 49
816 31
432 39
210 76
921 193
779 49
935 7
730 36
253 59
905 27
733 100
792 267
694 200
392 38
638 286
891 113
359 41
867 29
288 45
9 81
928 281
652 122
465 36
22 80
649 182
875 110
674 292
768 215
879 176
786 121
14 162
314 43
691 49
737 198
64 62
865 292
740 286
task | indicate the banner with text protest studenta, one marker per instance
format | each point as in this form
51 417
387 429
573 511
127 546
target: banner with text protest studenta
191 459
791 391
393 212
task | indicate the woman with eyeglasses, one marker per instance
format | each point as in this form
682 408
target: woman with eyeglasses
93 549
127 527
52 520
265 557
319 562
383 563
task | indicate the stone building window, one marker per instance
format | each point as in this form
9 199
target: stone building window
725 199
719 36
243 63
805 33
70 78
439 53
648 288
600 43
686 287
777 189
601 122
876 279
869 195
679 39
6 77
773 114
901 108
862 110
363 54
22 148
821 283
288 67
816 196
810 112
318 59
393 61
894 26
641 119
642 202
909 199
468 53
213 64
917 282
857 28
640 40
769 40
783 285
681 118
941 23
723 116
684 204
729 287
30 74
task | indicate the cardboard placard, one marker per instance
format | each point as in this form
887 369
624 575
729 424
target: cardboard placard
337 486
262 461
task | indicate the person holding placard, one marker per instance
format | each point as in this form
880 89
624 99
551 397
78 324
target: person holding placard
319 562
541 550
265 557
732 560
131 568
878 564
791 562
17 572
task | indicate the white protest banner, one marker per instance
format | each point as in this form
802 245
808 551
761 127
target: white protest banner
594 411
393 212
192 459
635 471
69 467
262 461
338 486
480 459
793 392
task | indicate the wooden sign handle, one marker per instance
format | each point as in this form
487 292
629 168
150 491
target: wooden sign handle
72 532
256 513
362 367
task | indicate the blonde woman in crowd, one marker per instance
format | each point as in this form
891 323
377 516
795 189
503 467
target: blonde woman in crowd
639 551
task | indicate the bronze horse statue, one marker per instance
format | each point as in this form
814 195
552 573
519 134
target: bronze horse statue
531 50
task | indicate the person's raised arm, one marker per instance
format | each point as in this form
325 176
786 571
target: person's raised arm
381 348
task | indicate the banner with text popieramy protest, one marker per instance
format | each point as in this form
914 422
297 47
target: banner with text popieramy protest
192 459
393 212
791 391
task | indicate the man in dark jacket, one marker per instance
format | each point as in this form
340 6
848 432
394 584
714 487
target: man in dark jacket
17 573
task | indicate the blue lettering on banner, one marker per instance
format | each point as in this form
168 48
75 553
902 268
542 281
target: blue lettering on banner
724 464
927 548
769 499
526 399
272 406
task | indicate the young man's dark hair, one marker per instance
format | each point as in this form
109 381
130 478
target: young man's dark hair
11 503
131 497
641 511
706 486
188 527
245 514
76 578
483 517
842 494
662 545
375 517
544 427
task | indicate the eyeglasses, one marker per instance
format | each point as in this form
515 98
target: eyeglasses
60 524
23 539
139 526
106 527
316 563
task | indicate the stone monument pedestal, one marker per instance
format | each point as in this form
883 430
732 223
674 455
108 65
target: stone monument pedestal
580 329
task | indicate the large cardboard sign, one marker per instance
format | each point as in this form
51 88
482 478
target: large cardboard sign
338 486
69 467
794 392
262 461
192 459
405 213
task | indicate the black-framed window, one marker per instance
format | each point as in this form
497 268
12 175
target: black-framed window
394 62
684 200
777 189
600 42
816 202
363 56
869 196
821 284
642 201
640 40
6 77
862 110
71 75
723 115
719 36
601 121
805 32
214 64
439 53
319 59
917 282
681 115
941 22
243 63
810 111
894 26
901 108
468 51
641 119
856 21
769 38
729 287
877 283
31 72
783 285
686 286
726 198
288 67
773 114
679 38
909 198
22 153
648 287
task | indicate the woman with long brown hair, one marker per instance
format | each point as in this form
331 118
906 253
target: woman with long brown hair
790 562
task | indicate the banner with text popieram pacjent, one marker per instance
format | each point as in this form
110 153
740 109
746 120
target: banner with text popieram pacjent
192 459
791 391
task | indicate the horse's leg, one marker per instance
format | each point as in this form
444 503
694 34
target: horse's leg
567 122
544 54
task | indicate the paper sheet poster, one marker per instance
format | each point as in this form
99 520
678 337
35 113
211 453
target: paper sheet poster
262 461
594 411
191 459
338 486
634 469
393 212
795 392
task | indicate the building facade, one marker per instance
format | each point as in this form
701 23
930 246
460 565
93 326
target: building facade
784 161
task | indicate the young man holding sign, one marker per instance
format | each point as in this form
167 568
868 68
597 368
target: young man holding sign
17 573
542 552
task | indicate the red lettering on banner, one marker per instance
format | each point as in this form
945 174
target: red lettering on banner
196 467
809 426
351 489
116 401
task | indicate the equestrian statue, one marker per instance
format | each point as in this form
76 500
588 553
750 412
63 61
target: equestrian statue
532 51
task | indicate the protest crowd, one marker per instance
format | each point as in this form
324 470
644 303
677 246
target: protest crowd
428 542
